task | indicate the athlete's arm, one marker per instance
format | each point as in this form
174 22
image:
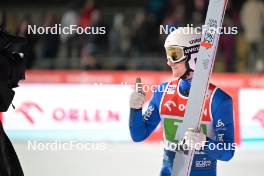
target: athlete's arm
142 125
223 147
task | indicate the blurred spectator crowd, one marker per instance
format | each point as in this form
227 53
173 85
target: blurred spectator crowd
132 39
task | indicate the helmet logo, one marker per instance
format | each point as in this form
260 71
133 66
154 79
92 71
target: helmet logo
195 41
191 50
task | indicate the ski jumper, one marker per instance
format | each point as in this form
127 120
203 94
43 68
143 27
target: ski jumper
167 106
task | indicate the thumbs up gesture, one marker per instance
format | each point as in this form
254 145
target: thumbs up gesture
137 98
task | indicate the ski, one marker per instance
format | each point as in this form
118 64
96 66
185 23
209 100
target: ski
215 14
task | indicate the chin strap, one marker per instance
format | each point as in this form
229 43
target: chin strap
188 69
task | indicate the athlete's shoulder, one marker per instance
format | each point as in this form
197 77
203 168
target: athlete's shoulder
222 103
161 87
159 90
219 93
157 93
221 99
222 95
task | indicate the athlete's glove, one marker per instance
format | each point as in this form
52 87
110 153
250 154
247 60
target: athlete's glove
137 98
194 140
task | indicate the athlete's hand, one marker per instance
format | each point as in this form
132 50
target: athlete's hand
194 140
137 98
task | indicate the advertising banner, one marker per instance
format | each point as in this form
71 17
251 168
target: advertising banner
251 114
87 111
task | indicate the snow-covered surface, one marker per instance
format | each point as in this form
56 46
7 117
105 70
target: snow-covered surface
122 159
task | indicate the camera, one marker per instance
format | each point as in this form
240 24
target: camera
12 67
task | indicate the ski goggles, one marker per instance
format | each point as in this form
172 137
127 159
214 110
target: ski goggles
178 54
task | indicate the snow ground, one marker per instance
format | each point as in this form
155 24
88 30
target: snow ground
122 159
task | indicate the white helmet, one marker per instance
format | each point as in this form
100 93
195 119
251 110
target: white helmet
183 45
